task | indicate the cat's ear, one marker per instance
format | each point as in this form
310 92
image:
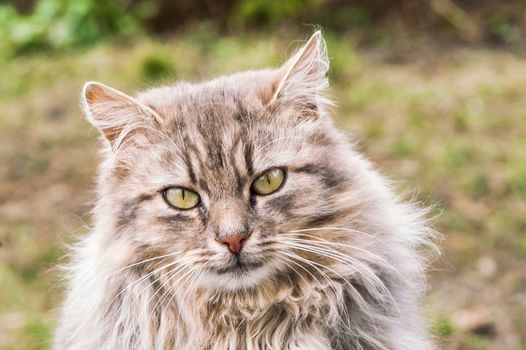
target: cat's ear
303 78
114 113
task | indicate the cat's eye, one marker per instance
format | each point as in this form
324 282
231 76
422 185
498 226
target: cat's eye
181 198
269 182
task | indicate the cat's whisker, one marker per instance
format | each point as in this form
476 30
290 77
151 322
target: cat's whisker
107 277
181 264
346 229
329 281
147 304
292 268
312 264
345 320
351 263
130 285
151 273
365 273
141 262
363 270
288 260
173 275
335 254
167 285
193 282
369 257
361 302
125 288
332 243
181 281
193 287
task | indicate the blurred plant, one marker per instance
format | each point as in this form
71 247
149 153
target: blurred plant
57 24
157 67
270 12
38 333
503 29
478 186
443 327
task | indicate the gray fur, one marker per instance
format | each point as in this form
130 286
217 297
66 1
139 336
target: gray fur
333 259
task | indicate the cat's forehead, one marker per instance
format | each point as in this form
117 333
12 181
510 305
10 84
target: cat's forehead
222 133
219 132
224 112
226 98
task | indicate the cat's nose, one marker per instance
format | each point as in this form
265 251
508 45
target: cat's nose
234 242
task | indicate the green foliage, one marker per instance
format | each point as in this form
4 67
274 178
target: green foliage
270 12
478 186
474 342
522 245
443 327
38 334
503 28
157 67
405 145
455 156
57 24
517 177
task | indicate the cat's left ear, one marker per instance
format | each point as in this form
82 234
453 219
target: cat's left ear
303 78
114 113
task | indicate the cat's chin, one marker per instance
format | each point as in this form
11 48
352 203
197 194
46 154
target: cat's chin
237 277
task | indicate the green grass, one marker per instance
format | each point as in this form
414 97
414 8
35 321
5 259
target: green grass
443 327
453 128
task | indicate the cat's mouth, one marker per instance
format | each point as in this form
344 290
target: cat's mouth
238 272
238 265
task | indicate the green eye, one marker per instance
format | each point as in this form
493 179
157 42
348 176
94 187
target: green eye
268 182
181 198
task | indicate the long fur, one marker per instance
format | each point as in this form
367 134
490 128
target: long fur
336 255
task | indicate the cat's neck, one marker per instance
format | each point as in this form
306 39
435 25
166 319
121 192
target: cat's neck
292 309
289 310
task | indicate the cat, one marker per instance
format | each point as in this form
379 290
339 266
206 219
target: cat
232 214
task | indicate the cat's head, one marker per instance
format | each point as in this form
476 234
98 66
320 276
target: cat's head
217 182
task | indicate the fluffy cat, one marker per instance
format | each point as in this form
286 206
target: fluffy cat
231 214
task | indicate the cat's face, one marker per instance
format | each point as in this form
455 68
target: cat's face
214 177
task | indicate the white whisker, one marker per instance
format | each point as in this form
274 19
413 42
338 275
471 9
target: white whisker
364 271
329 281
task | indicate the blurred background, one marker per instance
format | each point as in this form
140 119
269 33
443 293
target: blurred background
433 91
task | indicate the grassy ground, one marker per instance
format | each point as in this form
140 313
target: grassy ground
451 124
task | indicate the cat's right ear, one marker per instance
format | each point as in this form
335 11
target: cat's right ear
114 113
302 80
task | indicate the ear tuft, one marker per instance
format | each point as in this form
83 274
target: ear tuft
303 78
93 91
114 113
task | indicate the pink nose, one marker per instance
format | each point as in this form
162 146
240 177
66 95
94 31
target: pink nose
234 242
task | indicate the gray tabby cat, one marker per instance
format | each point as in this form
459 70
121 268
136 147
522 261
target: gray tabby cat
231 214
